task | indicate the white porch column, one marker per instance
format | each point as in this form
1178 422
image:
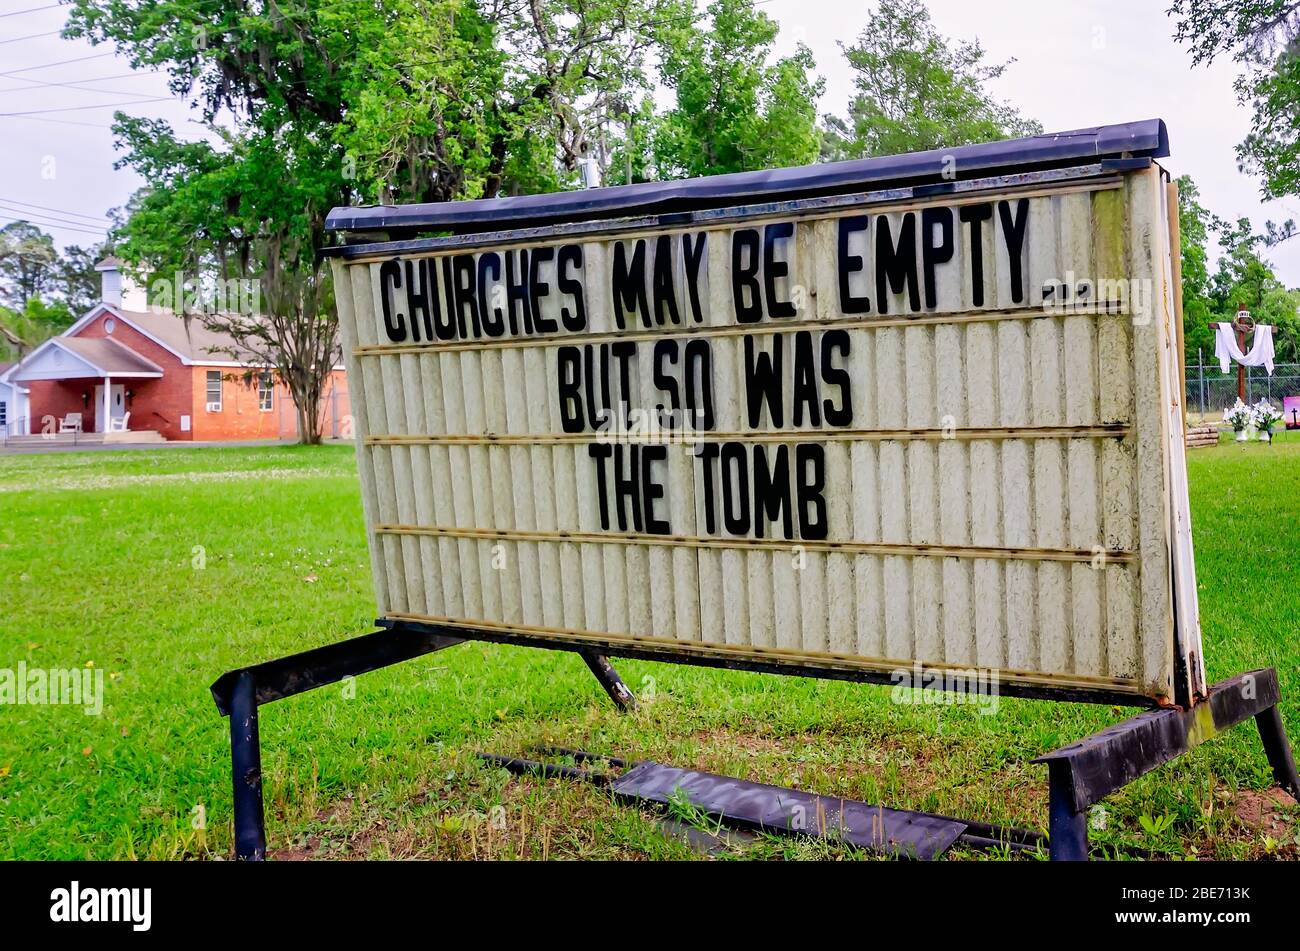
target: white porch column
108 405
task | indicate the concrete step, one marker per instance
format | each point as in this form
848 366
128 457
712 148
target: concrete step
135 436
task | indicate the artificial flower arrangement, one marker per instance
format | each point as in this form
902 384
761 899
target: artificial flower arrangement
1240 415
1266 416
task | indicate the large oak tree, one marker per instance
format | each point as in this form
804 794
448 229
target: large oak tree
317 103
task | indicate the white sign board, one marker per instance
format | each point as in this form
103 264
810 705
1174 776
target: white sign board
862 436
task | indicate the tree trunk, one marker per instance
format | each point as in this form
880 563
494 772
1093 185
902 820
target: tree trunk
306 405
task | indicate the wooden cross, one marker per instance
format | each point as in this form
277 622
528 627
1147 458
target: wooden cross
1243 324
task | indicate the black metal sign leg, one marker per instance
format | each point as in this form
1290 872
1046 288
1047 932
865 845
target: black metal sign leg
1067 828
610 680
246 770
1276 746
1085 772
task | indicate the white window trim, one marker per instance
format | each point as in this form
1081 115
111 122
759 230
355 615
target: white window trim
271 392
213 406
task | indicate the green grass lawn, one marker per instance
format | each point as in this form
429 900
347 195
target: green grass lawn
165 568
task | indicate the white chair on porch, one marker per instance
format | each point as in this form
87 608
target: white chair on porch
119 425
70 423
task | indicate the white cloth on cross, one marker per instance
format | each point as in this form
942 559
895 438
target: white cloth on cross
1227 350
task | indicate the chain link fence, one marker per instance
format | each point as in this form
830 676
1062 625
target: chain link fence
1210 391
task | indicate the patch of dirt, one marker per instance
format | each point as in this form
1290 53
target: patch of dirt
292 854
1265 811
335 814
753 744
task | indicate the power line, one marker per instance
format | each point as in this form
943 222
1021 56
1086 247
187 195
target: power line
102 105
74 214
61 62
41 224
50 223
88 79
29 36
52 219
48 6
79 84
88 125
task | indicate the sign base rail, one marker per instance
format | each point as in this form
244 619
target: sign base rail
1079 775
759 807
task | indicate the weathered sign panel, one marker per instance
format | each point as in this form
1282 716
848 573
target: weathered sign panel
871 431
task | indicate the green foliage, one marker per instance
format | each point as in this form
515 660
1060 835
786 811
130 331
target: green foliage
22 330
450 99
420 88
1194 226
629 142
54 315
1244 277
78 281
733 110
916 90
1155 827
41 291
28 263
1281 308
335 102
1241 276
255 208
1263 37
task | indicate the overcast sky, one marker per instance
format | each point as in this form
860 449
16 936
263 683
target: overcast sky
1077 64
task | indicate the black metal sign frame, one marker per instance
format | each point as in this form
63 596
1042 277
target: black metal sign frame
1079 775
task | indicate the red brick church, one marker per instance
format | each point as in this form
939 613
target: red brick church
137 372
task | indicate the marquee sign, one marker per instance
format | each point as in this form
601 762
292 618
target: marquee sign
867 432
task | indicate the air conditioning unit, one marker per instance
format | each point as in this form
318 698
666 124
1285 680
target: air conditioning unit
214 407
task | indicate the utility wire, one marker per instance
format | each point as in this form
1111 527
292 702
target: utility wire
76 84
102 105
42 223
61 62
75 214
48 6
52 219
95 234
29 36
88 125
